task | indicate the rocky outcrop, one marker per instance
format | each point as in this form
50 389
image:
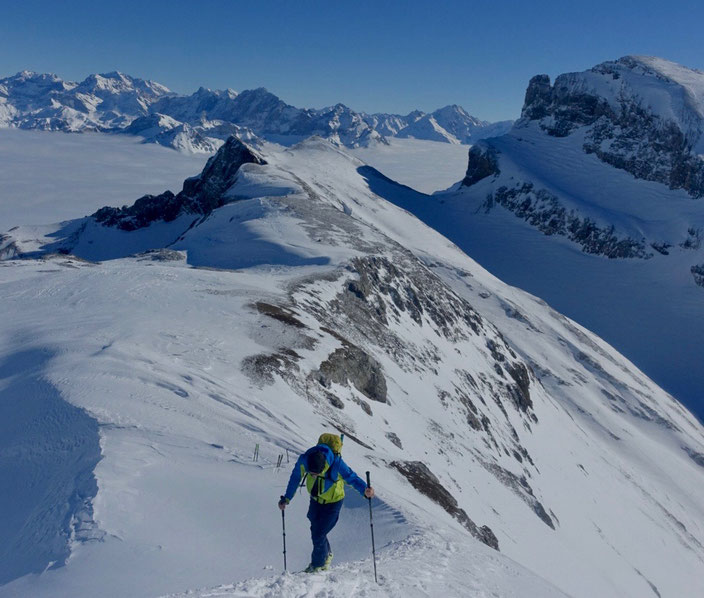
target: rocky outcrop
698 458
626 128
542 209
8 248
698 274
520 486
200 195
483 162
384 290
423 480
694 239
349 363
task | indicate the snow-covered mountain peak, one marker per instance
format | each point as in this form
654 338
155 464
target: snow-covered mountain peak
28 83
204 92
318 143
453 110
662 67
259 94
642 114
119 84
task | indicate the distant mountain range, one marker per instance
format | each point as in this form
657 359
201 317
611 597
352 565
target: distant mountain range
200 122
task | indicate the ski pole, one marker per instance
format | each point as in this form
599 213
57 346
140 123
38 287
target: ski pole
283 522
371 525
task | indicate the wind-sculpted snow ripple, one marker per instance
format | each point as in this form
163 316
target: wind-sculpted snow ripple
48 451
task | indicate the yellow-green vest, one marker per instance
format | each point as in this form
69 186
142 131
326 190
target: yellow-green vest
334 493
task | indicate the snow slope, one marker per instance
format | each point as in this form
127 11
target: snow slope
310 303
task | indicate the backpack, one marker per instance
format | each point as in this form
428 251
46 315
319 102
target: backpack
333 441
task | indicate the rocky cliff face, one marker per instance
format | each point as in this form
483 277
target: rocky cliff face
641 114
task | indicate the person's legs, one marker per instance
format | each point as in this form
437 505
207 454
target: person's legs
322 519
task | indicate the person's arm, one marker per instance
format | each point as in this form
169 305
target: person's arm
293 481
354 480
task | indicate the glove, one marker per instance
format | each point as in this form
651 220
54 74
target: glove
369 492
283 502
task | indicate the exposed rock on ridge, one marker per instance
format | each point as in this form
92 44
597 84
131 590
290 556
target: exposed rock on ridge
423 480
482 163
544 210
200 194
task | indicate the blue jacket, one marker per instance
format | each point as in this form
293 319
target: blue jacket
337 469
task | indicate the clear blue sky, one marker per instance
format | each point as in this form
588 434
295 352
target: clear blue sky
374 56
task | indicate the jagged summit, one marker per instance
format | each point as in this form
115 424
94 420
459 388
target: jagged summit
200 194
219 173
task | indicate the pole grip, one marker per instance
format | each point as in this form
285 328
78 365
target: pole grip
368 482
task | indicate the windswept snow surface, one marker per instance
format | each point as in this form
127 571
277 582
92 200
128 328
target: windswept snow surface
591 478
181 503
53 176
421 566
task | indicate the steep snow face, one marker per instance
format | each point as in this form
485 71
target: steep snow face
545 208
299 301
202 121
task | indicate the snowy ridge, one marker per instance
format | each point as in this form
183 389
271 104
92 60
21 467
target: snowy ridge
303 301
202 121
453 574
